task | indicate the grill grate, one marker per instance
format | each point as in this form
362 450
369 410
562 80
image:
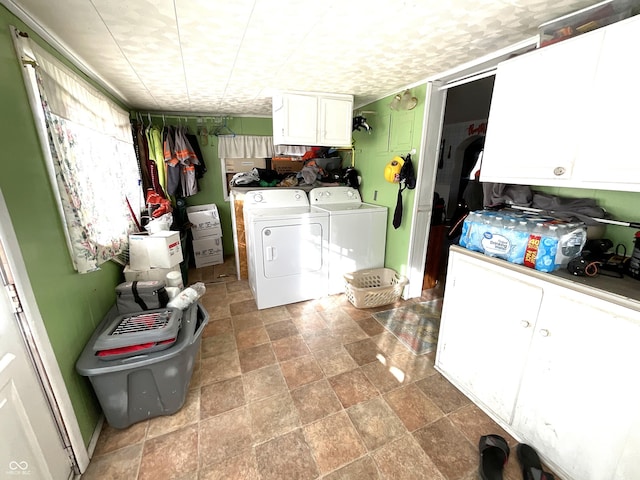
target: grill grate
143 323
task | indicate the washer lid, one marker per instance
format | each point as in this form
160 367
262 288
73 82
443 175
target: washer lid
262 214
347 208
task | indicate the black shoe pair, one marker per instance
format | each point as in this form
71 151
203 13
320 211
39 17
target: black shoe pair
494 453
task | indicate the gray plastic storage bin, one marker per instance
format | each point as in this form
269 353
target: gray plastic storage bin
149 385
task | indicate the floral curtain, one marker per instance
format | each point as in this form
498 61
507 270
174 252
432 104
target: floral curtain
92 161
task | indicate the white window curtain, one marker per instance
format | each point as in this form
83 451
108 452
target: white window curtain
90 157
245 146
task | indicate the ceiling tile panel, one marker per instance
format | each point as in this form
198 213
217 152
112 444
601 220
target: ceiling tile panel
208 56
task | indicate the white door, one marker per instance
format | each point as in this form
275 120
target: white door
292 249
335 122
586 349
481 349
30 445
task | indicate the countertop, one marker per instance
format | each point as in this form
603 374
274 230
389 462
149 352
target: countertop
622 291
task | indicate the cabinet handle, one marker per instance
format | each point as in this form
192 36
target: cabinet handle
559 171
525 323
544 332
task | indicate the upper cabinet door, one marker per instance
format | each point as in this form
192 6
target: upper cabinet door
295 119
608 148
335 121
537 113
312 119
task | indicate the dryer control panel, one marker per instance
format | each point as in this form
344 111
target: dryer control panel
328 195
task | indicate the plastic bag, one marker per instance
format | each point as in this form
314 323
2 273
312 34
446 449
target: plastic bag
188 296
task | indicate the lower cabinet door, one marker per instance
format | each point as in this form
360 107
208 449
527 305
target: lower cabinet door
487 320
580 390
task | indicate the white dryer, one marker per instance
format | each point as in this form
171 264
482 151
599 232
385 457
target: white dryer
286 247
357 232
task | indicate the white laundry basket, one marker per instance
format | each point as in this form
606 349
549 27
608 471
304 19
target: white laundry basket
375 287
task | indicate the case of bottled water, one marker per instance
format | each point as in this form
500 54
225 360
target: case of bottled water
536 241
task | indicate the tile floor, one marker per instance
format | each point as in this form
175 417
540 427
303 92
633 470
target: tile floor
313 390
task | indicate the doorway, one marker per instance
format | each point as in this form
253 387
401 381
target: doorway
438 89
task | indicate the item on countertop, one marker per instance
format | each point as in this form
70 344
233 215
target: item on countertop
494 453
188 296
633 266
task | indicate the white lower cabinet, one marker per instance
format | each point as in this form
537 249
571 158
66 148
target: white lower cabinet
555 367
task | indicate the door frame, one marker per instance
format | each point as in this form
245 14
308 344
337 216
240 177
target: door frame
435 102
41 349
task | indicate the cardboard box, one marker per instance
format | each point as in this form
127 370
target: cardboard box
205 221
286 166
159 274
208 251
158 250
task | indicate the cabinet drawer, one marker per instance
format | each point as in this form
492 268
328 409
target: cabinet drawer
235 165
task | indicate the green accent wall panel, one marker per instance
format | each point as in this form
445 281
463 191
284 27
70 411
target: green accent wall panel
394 133
70 304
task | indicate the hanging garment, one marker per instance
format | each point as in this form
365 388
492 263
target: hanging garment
142 153
156 155
171 162
201 168
188 159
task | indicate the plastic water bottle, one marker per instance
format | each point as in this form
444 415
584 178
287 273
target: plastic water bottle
634 261
188 296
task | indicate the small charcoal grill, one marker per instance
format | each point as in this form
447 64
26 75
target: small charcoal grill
145 332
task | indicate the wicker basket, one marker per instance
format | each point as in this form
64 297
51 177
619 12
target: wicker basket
373 288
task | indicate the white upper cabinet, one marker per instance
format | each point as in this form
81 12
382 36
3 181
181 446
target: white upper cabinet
561 115
312 119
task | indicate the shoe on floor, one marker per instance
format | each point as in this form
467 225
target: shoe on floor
530 463
494 453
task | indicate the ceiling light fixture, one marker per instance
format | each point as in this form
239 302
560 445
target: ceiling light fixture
403 101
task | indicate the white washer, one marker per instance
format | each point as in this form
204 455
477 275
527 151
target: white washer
357 232
286 247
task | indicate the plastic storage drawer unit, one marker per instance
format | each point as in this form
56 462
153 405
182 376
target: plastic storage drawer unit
149 385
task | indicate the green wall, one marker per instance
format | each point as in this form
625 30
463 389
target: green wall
621 206
211 184
71 305
393 133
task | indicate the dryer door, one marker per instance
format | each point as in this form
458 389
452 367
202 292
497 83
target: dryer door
291 249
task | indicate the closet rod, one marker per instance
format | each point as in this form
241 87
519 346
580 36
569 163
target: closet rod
196 115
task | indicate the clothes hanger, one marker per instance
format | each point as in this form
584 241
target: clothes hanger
219 130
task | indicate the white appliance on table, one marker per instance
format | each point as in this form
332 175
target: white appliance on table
286 247
357 232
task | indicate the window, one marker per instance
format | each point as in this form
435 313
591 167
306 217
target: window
87 143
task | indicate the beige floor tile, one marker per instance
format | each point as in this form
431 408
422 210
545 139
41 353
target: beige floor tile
272 417
240 296
251 337
290 347
241 467
219 397
286 457
219 367
335 361
123 463
376 423
403 459
362 469
413 407
365 351
162 459
416 367
474 423
217 344
256 357
224 436
188 414
370 326
264 382
448 448
334 442
309 322
300 308
315 401
282 329
217 327
443 393
114 438
300 371
246 320
321 340
353 387
384 376
243 306
274 314
237 286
